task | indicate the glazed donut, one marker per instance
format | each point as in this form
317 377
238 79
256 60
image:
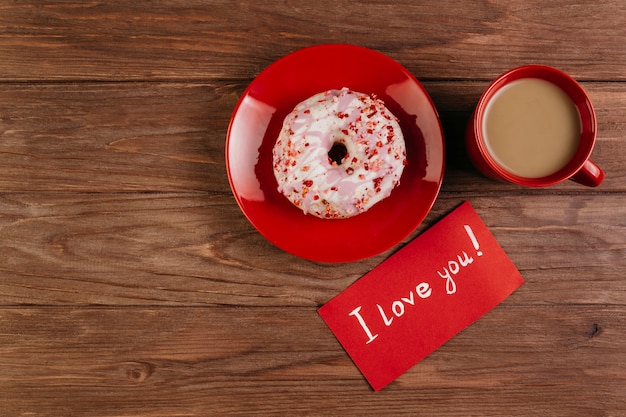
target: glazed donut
338 153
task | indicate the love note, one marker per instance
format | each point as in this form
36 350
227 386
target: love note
419 298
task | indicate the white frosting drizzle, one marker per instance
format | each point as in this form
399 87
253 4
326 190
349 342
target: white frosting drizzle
371 169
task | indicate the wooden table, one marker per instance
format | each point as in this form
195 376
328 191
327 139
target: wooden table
132 285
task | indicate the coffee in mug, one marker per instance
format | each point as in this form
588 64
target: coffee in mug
534 126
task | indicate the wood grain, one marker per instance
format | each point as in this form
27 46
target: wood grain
154 249
164 137
223 40
277 361
114 137
132 285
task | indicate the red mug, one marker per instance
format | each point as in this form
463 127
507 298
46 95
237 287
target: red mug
526 147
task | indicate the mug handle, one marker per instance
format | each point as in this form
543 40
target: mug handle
590 174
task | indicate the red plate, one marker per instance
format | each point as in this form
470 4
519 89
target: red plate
256 122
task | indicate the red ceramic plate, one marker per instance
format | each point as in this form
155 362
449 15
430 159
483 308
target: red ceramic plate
256 122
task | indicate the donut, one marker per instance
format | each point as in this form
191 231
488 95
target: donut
338 153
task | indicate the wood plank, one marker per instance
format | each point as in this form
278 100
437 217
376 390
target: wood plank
122 137
515 361
212 40
198 249
103 137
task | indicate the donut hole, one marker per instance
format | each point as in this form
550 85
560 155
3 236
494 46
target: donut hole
337 153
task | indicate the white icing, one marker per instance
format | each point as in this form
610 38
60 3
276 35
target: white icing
375 160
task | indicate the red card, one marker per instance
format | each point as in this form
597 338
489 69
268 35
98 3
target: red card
419 298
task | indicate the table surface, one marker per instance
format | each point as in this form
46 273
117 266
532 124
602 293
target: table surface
132 285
